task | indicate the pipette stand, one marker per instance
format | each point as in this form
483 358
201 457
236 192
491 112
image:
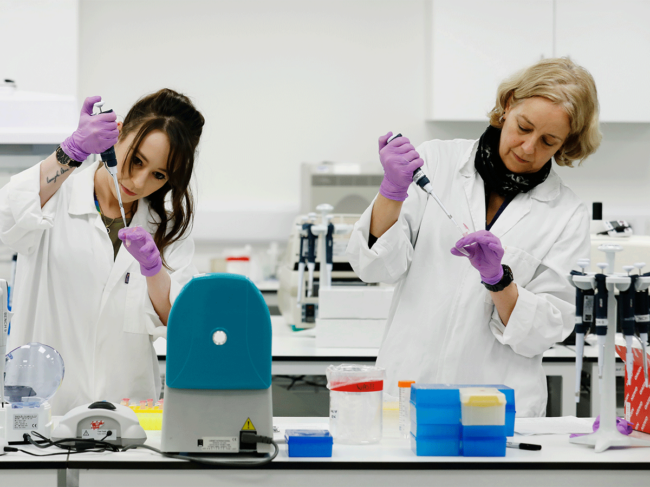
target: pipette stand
608 435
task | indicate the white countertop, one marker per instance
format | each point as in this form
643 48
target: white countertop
556 450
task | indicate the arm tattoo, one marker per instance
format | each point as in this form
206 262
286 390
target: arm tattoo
62 171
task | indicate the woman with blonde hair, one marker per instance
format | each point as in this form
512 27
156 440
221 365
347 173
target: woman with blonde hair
449 323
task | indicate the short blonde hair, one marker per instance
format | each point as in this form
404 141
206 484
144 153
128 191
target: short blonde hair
565 83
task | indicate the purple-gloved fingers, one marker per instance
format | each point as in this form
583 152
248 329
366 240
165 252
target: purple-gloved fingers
485 254
139 243
95 133
399 160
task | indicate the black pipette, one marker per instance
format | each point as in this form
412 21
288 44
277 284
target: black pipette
423 182
110 161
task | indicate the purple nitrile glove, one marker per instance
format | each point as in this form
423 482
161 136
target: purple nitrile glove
95 133
485 254
141 246
399 159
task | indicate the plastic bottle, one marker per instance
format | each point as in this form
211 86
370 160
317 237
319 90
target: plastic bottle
405 407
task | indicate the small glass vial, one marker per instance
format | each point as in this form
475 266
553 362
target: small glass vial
405 407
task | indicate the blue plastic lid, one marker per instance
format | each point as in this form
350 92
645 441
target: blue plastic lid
435 394
308 436
447 394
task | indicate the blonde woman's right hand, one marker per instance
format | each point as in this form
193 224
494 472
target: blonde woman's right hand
400 160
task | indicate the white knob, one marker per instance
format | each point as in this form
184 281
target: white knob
583 264
324 210
639 265
602 266
219 337
99 105
311 216
628 269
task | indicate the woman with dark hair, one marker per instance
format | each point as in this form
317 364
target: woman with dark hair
97 292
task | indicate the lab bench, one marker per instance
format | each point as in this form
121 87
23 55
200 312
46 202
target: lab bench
296 354
389 463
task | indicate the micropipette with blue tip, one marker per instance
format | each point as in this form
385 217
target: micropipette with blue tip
423 182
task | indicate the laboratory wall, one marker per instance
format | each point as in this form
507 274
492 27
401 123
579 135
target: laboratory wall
280 81
39 42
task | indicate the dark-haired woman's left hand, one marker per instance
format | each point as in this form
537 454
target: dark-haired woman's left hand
141 246
485 254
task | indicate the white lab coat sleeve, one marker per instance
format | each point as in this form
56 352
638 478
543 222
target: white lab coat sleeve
179 257
390 257
22 220
545 309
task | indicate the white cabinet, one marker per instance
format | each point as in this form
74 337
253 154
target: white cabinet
39 44
476 44
612 40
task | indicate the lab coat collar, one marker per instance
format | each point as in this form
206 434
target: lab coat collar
547 191
516 210
82 200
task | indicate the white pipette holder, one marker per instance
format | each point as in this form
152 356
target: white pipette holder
607 435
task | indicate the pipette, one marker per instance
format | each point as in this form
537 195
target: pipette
311 256
626 301
302 258
110 161
642 318
601 316
329 252
581 326
423 182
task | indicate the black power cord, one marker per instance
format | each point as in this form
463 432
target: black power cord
75 445
245 438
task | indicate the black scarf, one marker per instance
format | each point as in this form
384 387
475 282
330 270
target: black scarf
496 175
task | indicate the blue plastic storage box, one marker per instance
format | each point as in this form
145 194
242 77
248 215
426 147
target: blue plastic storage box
309 443
441 446
484 441
436 430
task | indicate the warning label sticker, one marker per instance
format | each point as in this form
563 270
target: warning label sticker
220 444
248 426
26 421
98 434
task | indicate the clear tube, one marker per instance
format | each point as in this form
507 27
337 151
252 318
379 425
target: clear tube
404 409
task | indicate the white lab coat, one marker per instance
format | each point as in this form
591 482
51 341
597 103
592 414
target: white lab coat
72 295
443 326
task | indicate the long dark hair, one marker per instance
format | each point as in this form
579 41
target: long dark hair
173 114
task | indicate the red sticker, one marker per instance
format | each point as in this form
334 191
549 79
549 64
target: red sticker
372 386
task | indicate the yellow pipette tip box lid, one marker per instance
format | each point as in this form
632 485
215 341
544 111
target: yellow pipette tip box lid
482 397
482 406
